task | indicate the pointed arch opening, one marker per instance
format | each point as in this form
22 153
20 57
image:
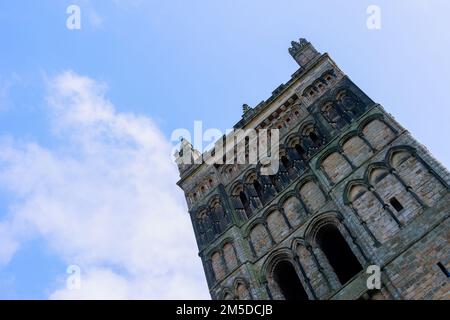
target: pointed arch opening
288 281
245 202
338 253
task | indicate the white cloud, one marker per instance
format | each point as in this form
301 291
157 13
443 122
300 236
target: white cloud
105 199
8 245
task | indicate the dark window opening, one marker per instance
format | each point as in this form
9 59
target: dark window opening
443 269
258 188
301 152
338 253
314 138
289 282
245 202
285 161
247 145
396 204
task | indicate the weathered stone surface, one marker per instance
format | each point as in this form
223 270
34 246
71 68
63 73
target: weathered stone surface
358 190
312 196
356 150
336 166
378 134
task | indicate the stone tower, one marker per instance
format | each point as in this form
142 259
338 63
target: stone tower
353 189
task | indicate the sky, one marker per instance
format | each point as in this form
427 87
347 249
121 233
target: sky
86 116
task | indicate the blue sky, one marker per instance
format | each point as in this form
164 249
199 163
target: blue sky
144 69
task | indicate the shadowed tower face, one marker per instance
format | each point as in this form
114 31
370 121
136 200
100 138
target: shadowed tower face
353 189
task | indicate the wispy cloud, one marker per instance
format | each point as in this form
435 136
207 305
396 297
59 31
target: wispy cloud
104 199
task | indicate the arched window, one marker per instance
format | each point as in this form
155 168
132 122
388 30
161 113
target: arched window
260 239
314 138
206 226
287 167
258 188
300 151
333 115
288 281
379 222
277 225
285 161
312 195
350 103
242 292
393 192
356 150
416 174
221 218
245 202
241 203
336 166
254 191
229 254
338 253
378 133
217 265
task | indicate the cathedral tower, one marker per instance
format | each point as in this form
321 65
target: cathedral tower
353 189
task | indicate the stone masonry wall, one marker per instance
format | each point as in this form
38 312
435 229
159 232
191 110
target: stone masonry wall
369 180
